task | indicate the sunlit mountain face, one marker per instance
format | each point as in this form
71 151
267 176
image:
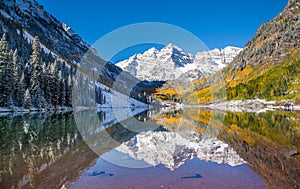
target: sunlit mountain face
172 63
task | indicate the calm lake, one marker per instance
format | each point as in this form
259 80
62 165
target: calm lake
122 148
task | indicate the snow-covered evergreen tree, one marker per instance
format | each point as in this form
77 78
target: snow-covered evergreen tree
34 84
54 84
62 91
75 93
17 75
2 66
7 73
19 94
27 100
47 87
37 76
69 91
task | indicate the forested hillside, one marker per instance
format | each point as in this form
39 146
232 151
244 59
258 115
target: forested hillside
34 84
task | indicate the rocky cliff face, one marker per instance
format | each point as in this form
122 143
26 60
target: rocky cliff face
30 19
273 40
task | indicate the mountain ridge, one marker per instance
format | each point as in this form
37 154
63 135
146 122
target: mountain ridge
273 40
171 63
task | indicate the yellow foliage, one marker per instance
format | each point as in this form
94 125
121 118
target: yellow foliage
170 92
203 91
234 127
232 83
246 72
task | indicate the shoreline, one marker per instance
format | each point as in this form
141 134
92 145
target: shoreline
253 105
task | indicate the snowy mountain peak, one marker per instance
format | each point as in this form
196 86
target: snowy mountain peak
171 63
171 47
232 48
151 52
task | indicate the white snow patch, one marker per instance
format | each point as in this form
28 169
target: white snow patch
5 14
117 100
296 107
28 37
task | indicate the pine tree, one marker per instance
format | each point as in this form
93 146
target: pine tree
37 65
75 93
17 66
7 73
62 95
39 99
69 91
2 66
17 75
10 102
19 95
54 87
37 75
27 100
46 84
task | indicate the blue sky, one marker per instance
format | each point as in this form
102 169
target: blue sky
217 23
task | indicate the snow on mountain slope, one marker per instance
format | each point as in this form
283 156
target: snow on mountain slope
216 59
118 100
154 65
173 149
171 63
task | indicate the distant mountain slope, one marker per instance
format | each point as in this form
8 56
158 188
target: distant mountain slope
171 63
29 17
273 40
268 66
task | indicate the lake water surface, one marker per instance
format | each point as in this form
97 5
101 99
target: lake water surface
121 148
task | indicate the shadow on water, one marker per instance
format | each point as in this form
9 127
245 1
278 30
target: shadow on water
49 150
196 176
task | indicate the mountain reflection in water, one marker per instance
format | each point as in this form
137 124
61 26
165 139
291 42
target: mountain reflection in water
170 148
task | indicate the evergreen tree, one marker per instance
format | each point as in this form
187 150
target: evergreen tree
7 73
17 66
19 95
37 75
37 65
75 93
54 87
46 84
62 91
17 75
39 99
69 91
27 100
2 66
